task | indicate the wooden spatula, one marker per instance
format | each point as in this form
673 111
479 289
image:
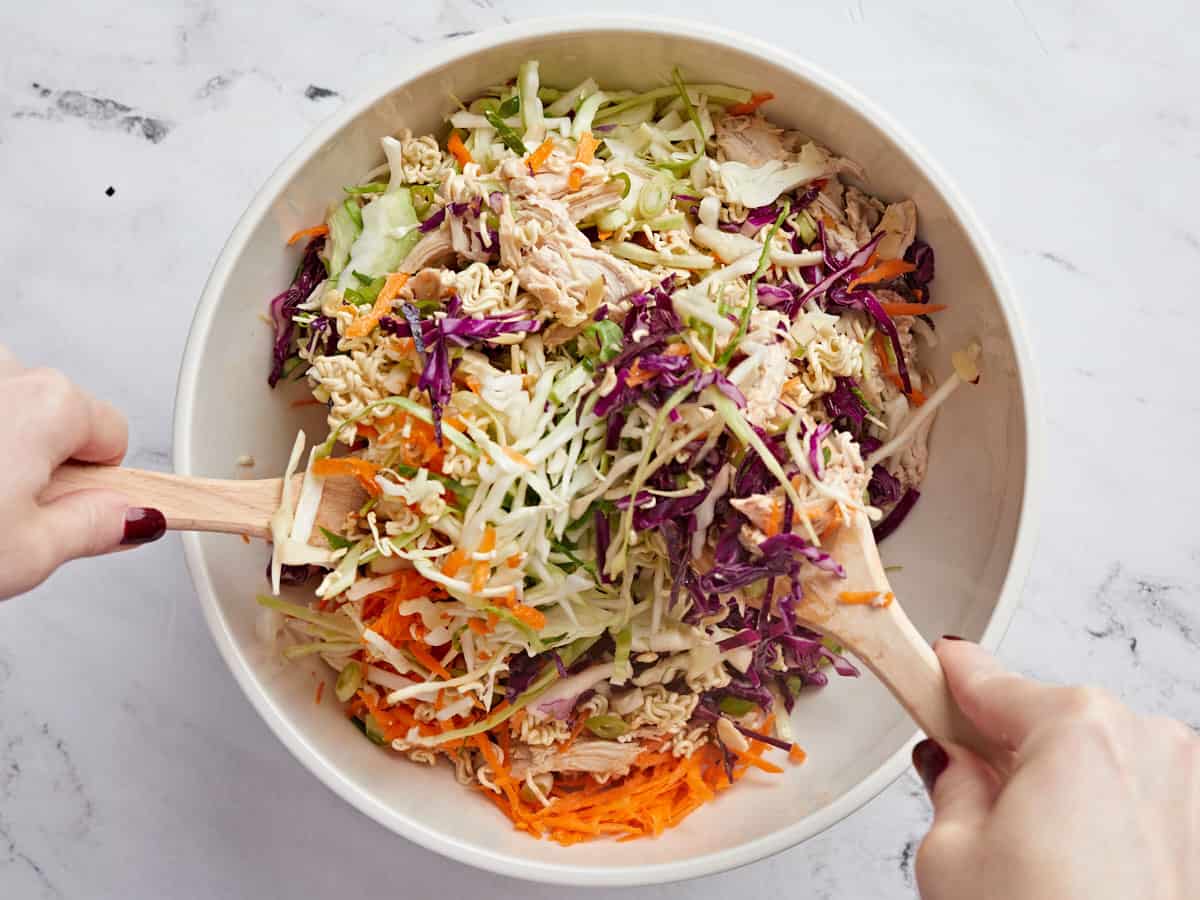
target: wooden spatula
886 641
208 504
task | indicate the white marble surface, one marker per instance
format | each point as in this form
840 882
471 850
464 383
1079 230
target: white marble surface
130 764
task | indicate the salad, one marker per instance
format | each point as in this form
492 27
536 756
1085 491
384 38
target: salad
608 366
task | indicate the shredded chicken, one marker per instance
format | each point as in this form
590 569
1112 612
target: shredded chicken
605 758
899 227
749 139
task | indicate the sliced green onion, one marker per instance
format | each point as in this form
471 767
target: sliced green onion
764 260
509 107
607 727
374 187
735 706
336 541
349 680
653 199
669 222
612 219
354 211
806 228
337 624
510 138
422 199
623 177
608 336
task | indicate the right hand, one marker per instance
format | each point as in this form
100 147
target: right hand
1101 803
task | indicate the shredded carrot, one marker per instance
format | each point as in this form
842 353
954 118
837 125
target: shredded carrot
796 756
637 375
488 543
857 598
458 149
515 560
315 231
585 152
519 458
774 521
305 401
756 100
912 309
352 467
417 441
245 538
678 349
478 626
480 573
365 324
538 157
421 652
320 691
455 561
658 793
885 271
527 615
888 599
603 235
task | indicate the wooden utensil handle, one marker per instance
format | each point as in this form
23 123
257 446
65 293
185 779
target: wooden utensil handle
902 659
188 504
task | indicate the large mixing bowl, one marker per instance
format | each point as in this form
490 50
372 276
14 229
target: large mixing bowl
964 551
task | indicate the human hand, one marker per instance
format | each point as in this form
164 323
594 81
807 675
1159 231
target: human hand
44 421
1100 803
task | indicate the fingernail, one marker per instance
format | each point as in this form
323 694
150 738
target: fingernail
143 524
952 637
930 761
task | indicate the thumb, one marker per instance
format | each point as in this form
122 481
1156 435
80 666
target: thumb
1004 706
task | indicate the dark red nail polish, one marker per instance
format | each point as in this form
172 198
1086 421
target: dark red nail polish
143 525
930 761
952 637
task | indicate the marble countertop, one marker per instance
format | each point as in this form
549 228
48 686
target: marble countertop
132 137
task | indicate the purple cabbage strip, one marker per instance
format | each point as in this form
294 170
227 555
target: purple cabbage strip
855 262
842 403
888 327
884 488
433 221
310 273
899 512
603 538
795 544
814 444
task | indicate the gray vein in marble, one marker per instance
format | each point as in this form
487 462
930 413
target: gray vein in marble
1061 261
98 112
1030 26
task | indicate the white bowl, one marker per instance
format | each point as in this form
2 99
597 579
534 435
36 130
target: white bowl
964 550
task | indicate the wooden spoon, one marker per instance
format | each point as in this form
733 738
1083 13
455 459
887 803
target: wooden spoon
881 636
886 641
208 504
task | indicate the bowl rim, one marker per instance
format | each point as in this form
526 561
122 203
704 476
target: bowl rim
570 873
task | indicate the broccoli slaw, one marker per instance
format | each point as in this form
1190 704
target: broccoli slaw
607 366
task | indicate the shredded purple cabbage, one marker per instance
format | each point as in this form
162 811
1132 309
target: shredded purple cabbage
844 406
283 307
899 513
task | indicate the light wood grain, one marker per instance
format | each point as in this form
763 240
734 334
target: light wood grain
206 504
887 642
